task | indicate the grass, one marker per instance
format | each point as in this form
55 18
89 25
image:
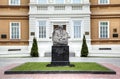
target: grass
79 66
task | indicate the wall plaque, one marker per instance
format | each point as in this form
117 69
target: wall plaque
3 36
115 35
32 33
86 33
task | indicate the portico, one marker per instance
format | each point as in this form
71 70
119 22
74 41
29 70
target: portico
44 18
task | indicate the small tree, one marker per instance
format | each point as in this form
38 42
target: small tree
34 49
84 50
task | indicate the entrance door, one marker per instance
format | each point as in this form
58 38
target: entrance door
55 26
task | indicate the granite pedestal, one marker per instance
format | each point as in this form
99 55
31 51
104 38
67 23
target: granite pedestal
60 56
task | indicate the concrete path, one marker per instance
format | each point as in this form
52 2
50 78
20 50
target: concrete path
8 63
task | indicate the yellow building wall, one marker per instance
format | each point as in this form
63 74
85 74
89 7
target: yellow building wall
13 11
105 10
114 24
108 12
14 14
5 29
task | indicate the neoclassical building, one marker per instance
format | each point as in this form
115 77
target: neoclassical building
21 20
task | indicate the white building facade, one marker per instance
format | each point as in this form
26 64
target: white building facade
46 15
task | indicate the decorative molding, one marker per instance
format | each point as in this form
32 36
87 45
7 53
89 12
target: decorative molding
16 17
104 5
60 15
98 16
81 4
14 42
14 6
105 40
2 41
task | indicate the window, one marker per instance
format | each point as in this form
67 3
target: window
59 1
77 29
42 29
104 30
76 1
103 1
14 30
42 1
14 2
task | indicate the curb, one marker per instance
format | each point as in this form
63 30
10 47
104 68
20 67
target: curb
59 72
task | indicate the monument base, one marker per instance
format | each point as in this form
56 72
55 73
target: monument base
60 56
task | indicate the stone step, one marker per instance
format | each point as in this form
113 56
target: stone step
48 54
104 53
14 53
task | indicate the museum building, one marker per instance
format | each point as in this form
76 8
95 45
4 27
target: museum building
21 20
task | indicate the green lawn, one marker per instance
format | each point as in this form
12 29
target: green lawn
79 66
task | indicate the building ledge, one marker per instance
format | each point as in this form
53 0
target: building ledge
104 5
14 17
115 15
14 6
81 4
105 40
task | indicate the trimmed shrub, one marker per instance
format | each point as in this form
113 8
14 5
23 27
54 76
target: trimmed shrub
84 50
34 49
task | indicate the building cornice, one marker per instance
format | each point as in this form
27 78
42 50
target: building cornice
12 42
105 40
104 5
59 4
14 17
93 16
11 6
60 15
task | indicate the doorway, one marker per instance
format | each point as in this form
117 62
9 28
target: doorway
56 26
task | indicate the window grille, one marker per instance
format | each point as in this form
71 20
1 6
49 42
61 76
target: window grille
77 29
14 2
15 30
42 29
103 29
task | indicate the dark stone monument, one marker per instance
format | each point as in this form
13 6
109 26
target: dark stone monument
60 48
60 55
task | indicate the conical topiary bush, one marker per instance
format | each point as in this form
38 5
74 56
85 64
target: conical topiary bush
34 49
84 50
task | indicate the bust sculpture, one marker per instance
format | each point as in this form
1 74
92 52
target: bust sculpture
60 36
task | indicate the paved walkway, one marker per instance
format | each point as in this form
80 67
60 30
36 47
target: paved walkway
8 63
